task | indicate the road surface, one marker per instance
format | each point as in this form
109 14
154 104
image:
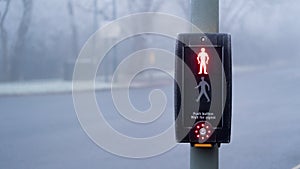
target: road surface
42 131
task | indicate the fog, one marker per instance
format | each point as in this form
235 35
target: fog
50 34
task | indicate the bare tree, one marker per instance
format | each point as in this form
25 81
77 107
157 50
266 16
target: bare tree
21 40
100 12
144 5
104 11
185 7
233 11
138 6
74 29
4 46
95 13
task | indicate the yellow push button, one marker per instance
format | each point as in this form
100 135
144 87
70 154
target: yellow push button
203 145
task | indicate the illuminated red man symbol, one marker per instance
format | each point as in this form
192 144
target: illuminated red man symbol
203 61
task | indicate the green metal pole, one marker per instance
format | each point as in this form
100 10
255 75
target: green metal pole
205 15
204 158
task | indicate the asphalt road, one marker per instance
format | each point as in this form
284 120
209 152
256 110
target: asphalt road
42 131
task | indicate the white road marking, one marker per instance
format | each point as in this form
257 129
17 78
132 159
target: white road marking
297 167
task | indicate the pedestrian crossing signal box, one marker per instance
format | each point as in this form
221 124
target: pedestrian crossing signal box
203 88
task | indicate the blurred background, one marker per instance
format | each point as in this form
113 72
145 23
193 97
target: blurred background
40 41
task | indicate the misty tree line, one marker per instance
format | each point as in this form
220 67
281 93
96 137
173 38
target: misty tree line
17 57
10 58
21 60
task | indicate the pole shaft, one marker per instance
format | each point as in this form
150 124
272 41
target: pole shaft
205 15
204 158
